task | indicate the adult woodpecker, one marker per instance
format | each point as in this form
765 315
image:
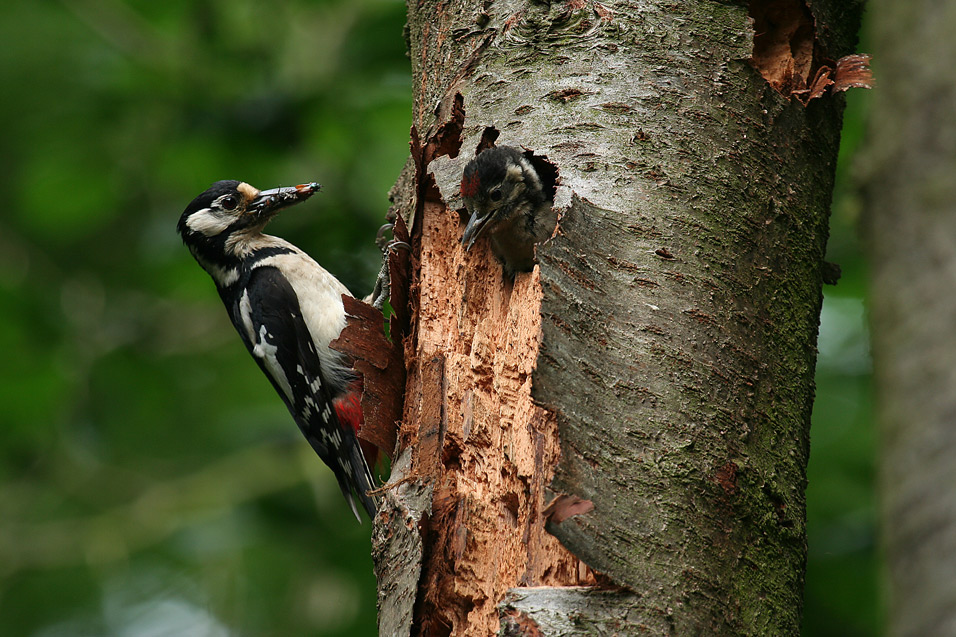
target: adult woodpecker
287 309
507 201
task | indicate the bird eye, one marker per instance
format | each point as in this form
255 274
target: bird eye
495 195
229 203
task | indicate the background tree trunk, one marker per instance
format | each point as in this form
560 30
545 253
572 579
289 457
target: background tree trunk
652 380
911 231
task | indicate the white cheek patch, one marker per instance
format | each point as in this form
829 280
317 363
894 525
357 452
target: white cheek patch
208 223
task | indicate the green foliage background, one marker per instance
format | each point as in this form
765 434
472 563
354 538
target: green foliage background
150 481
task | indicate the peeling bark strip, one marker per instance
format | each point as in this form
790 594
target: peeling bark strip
378 359
791 58
656 369
566 506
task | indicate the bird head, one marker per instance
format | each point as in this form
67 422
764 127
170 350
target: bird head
234 206
497 185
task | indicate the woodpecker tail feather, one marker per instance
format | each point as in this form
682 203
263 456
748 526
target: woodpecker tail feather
348 410
360 480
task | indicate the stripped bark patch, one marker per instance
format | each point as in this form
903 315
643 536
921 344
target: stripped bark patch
603 12
783 42
488 137
701 317
565 95
665 254
476 436
788 55
381 366
621 264
378 359
726 477
566 506
447 139
514 623
617 107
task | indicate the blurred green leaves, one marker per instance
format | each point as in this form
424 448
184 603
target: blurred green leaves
151 480
843 592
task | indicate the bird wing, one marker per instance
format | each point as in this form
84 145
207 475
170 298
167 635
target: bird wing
278 338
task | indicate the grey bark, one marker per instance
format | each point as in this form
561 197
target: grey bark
396 541
681 293
910 194
567 611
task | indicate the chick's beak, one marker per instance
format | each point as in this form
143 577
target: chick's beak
473 229
271 201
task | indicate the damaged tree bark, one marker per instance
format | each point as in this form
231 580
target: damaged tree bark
616 441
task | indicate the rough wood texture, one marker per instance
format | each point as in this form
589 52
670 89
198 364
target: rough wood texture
659 364
487 448
909 167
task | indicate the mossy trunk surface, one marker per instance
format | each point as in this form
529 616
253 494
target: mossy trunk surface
618 440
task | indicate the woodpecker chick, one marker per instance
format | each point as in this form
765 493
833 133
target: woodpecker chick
287 309
507 201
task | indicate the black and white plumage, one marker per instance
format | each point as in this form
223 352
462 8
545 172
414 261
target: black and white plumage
287 309
507 201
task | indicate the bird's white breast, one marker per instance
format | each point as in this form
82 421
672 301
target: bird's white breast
320 301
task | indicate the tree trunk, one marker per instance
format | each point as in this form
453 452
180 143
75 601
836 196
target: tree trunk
644 395
911 236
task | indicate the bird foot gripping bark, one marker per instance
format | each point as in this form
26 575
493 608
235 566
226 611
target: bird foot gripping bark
382 290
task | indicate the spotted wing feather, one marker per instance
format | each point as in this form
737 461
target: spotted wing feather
278 338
